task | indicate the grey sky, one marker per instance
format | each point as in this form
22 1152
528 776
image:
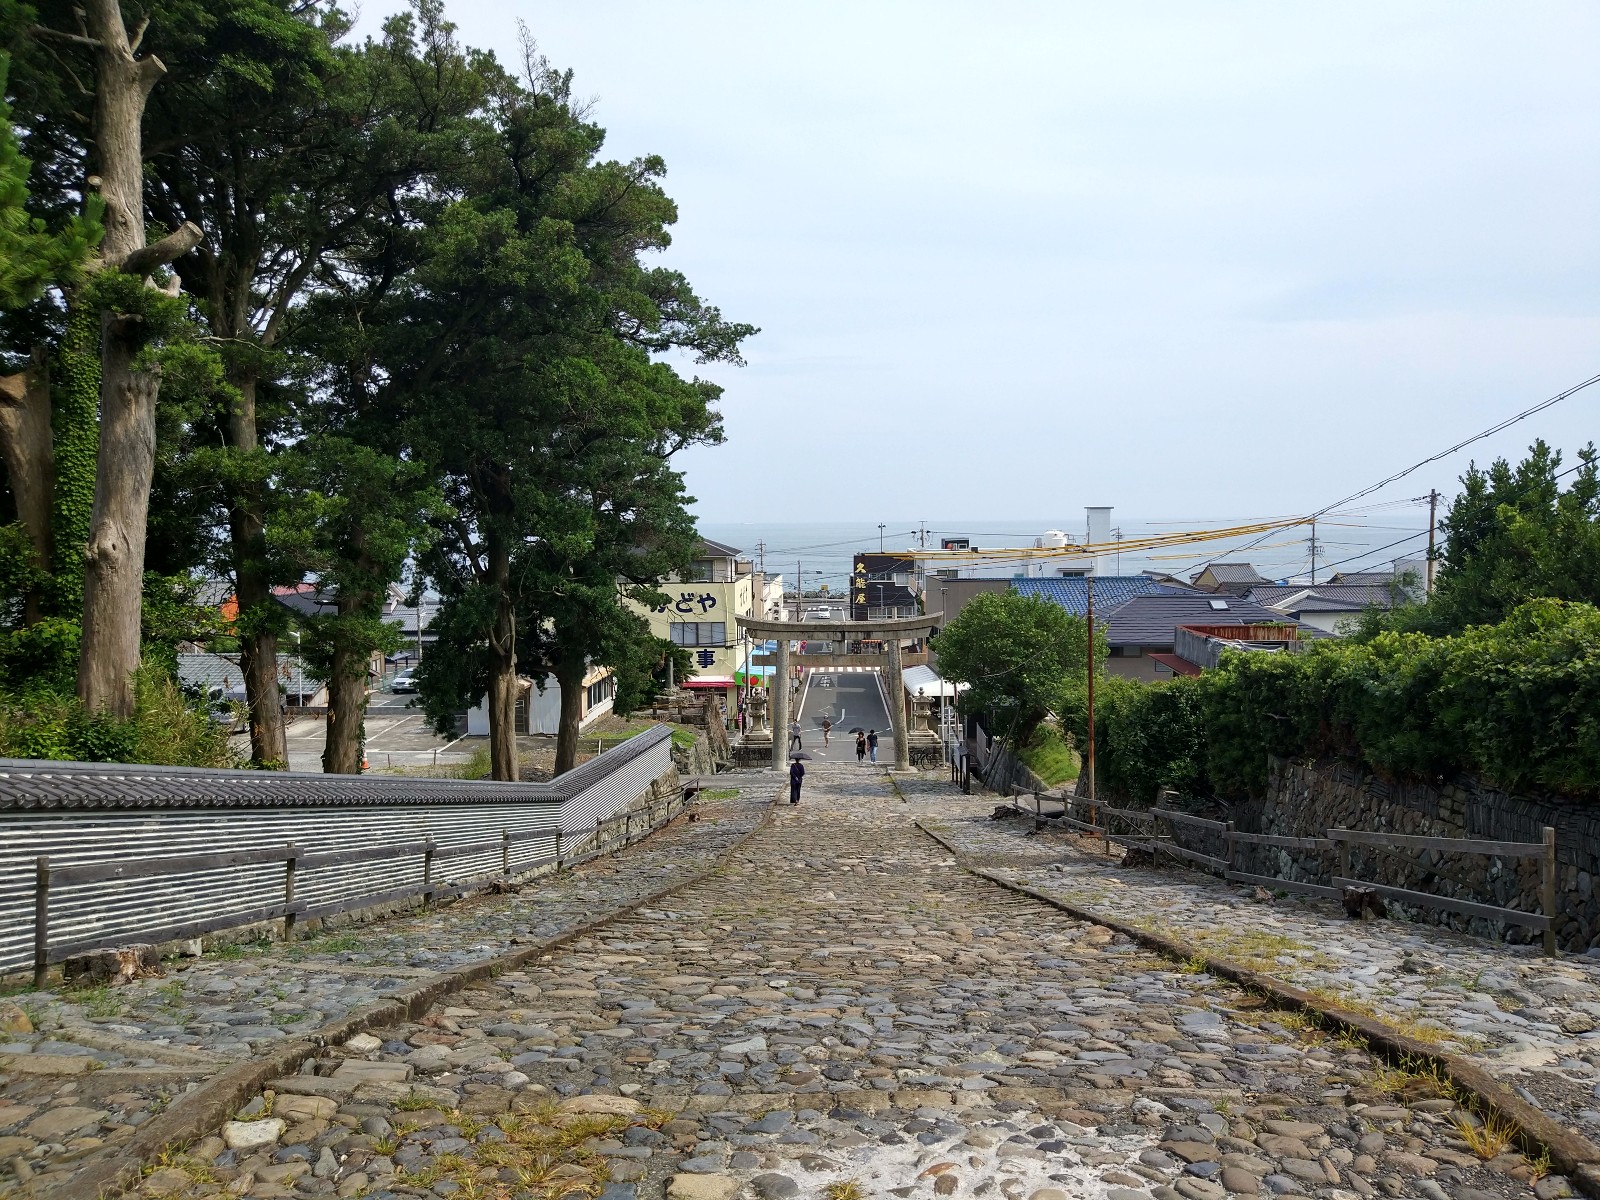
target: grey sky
1218 260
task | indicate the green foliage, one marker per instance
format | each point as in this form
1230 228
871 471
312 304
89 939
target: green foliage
32 256
75 428
1516 703
166 727
642 674
1049 757
1018 654
1512 535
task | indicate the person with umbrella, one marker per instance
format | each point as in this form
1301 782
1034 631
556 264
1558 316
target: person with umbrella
861 744
797 772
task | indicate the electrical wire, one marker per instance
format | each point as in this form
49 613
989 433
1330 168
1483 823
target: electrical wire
1432 458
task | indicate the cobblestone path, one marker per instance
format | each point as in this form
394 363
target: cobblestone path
100 1063
841 1011
1532 1022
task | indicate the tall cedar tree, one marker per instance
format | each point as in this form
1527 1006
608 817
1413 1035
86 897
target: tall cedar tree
518 355
300 170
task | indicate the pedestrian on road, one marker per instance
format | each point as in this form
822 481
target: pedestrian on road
794 735
827 728
797 772
861 747
872 744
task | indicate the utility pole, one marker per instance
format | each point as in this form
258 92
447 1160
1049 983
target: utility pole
1313 553
1089 579
761 550
922 534
1433 508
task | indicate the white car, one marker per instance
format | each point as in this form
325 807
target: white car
818 614
404 682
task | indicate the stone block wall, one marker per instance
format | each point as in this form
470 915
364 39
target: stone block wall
1304 799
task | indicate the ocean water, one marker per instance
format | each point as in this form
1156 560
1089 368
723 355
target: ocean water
823 550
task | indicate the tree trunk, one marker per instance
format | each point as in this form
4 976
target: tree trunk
347 709
114 560
570 677
258 638
502 665
114 576
28 453
75 418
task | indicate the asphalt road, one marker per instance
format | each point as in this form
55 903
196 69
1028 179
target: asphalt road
397 736
848 699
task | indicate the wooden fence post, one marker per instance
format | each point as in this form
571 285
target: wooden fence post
427 873
1547 888
558 849
41 921
1344 854
1038 819
289 865
1227 838
505 853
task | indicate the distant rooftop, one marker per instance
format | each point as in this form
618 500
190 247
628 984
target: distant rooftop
1072 591
1150 620
1325 597
711 549
1232 572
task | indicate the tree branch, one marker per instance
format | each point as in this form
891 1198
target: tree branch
174 246
75 38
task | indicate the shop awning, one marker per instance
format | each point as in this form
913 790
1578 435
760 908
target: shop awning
710 681
1175 664
928 682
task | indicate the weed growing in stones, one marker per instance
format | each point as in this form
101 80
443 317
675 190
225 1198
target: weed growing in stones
845 1189
287 1018
1489 1140
1539 1167
412 1102
99 1001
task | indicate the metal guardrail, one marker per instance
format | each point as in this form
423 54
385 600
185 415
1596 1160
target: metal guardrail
97 854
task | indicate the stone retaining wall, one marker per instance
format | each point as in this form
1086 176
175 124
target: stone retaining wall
1306 798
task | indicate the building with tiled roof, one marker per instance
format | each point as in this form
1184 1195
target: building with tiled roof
1236 578
1143 631
1071 592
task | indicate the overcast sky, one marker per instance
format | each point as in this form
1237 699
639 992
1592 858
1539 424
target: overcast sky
1221 260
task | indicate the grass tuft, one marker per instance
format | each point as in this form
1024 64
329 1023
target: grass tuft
1491 1139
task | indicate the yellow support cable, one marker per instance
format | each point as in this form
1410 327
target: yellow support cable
1158 541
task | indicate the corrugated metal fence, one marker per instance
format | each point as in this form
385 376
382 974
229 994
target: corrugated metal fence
160 853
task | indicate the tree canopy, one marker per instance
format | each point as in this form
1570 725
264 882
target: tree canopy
1019 655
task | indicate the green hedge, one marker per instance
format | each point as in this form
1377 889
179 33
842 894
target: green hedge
1516 703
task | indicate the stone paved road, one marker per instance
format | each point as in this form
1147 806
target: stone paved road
840 1011
1531 1022
112 1058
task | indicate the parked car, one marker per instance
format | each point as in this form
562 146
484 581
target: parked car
406 681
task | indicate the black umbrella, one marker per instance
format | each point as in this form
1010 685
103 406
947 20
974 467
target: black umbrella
857 729
799 754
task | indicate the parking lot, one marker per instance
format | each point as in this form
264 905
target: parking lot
397 736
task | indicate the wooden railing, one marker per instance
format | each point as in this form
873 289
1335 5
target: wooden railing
1142 828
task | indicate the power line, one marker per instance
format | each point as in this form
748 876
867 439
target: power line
1416 466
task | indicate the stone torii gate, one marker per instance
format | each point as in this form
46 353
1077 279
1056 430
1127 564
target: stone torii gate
890 631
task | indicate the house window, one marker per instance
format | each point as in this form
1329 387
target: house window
602 690
699 633
699 571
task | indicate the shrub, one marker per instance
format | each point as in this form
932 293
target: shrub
1517 703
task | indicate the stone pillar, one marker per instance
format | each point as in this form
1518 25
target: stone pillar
780 709
897 707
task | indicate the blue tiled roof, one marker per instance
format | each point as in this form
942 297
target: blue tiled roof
1072 592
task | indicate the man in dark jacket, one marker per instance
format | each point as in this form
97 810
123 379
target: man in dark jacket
797 772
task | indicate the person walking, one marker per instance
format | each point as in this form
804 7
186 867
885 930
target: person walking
794 735
797 772
827 729
861 747
872 744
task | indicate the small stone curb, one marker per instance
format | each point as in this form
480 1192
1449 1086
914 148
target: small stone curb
1570 1153
203 1110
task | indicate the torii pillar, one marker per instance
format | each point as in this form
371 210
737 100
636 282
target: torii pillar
780 709
896 694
